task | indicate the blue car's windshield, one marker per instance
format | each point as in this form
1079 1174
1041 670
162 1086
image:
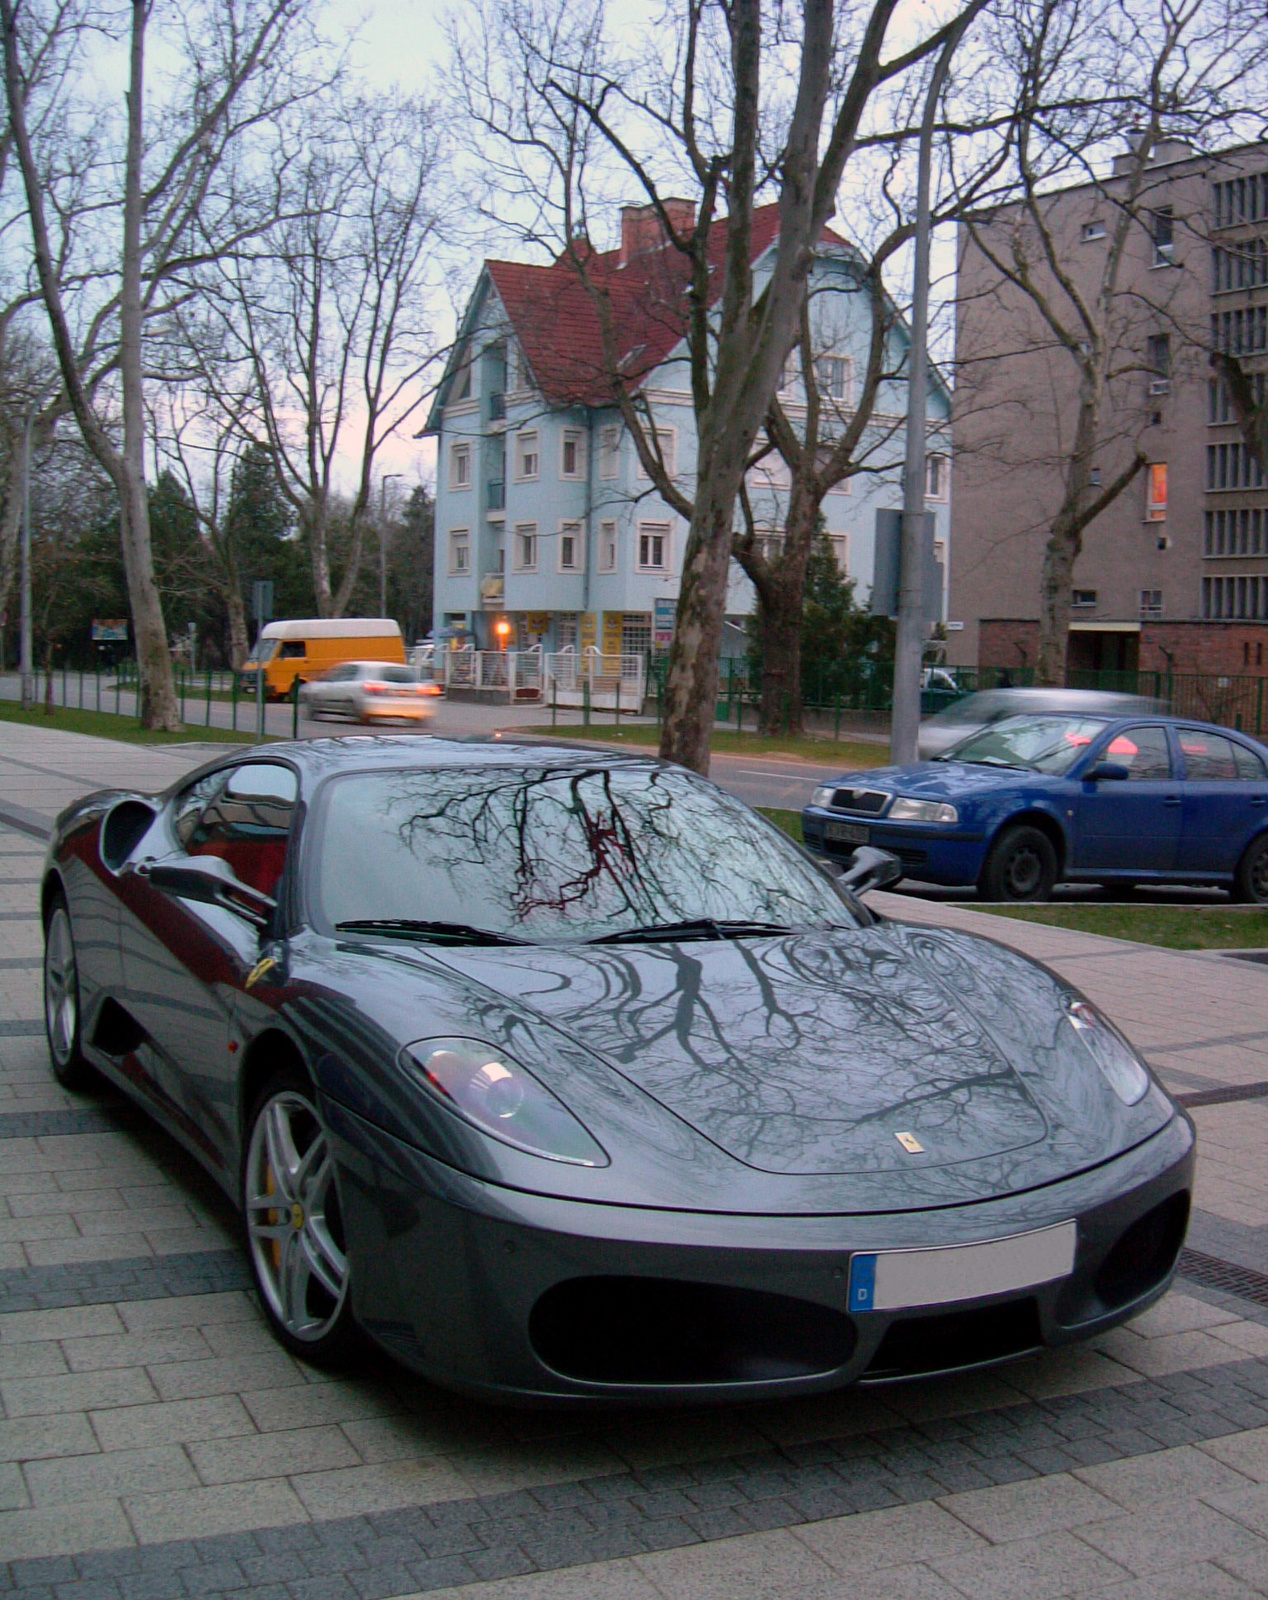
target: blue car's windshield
560 848
1036 743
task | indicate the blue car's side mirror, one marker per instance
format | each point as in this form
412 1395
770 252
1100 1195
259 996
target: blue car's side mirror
1107 769
870 869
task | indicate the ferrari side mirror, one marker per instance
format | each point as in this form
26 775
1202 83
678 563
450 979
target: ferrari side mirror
211 881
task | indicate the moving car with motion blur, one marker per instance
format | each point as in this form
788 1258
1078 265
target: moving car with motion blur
370 691
1074 797
564 1076
955 722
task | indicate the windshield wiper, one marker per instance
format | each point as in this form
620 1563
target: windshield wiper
693 928
998 761
409 928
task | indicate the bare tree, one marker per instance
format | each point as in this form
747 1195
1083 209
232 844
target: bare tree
732 104
327 338
181 194
1088 75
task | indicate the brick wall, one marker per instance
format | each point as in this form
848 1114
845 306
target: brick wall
1231 648
1010 642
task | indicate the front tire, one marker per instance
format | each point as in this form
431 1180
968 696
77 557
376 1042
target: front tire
1251 883
294 1223
62 1019
1022 866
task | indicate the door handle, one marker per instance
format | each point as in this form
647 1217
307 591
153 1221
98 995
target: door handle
1259 800
1172 800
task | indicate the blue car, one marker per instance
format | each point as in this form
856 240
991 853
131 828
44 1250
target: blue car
1033 800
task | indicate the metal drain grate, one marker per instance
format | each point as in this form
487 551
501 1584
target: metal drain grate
1223 1097
1227 1276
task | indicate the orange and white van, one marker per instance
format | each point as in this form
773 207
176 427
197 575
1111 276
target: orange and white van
305 649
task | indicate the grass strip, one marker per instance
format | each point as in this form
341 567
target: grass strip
846 755
108 725
789 821
1172 927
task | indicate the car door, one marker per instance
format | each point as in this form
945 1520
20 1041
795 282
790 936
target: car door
338 687
1129 826
1225 800
185 962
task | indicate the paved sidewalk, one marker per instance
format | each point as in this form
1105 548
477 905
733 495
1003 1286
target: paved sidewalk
155 1442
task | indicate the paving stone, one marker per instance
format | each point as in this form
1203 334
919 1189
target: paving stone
171 1422
1023 1510
1055 1564
114 1472
1169 1535
196 1513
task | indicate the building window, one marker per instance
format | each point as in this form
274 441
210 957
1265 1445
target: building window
566 630
1158 360
459 551
666 442
835 374
1156 492
609 453
460 467
636 633
524 550
1162 230
840 543
607 547
653 547
1093 230
527 457
1082 599
937 477
572 454
570 547
1235 599
461 389
1151 602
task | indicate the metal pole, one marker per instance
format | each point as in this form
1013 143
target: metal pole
912 619
25 648
383 483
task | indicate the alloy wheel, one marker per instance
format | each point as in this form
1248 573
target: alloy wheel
61 988
293 1220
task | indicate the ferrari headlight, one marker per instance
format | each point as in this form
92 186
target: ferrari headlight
1121 1065
904 810
494 1093
823 795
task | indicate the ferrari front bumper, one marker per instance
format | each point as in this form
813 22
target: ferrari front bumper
532 1298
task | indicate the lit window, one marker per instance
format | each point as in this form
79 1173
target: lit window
609 452
653 546
524 550
1156 502
572 463
527 459
570 547
607 547
459 551
460 467
938 477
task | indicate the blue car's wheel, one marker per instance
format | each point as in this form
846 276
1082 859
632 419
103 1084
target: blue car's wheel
1022 865
1251 883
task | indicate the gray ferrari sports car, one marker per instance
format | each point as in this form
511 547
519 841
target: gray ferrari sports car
563 1075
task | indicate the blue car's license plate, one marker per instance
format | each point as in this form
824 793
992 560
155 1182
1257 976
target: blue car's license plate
846 832
892 1279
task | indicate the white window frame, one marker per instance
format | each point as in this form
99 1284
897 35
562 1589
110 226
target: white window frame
570 530
846 397
840 543
459 540
943 468
460 452
577 437
609 551
668 441
610 452
655 530
524 530
521 476
1156 510
1093 230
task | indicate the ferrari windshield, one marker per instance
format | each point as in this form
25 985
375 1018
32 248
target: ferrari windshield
1037 743
564 849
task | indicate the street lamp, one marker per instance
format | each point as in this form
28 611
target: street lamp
383 483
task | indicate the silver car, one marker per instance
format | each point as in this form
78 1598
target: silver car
369 691
946 728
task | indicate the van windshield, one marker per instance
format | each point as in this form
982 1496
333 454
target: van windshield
263 651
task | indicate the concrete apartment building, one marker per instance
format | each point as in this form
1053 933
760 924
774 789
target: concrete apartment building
548 531
1173 575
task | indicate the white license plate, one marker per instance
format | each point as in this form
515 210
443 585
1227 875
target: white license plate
893 1279
846 832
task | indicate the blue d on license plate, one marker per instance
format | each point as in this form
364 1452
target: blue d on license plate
893 1279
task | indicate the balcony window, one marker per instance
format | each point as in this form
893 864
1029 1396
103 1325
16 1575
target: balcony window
524 550
527 457
653 547
1156 492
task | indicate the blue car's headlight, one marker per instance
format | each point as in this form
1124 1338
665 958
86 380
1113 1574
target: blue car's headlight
487 1088
904 810
1123 1069
823 795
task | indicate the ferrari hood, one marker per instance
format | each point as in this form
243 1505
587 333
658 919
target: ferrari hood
804 1054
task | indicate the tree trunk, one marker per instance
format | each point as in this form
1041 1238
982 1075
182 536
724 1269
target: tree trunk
1065 541
349 581
691 682
158 705
781 613
315 532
